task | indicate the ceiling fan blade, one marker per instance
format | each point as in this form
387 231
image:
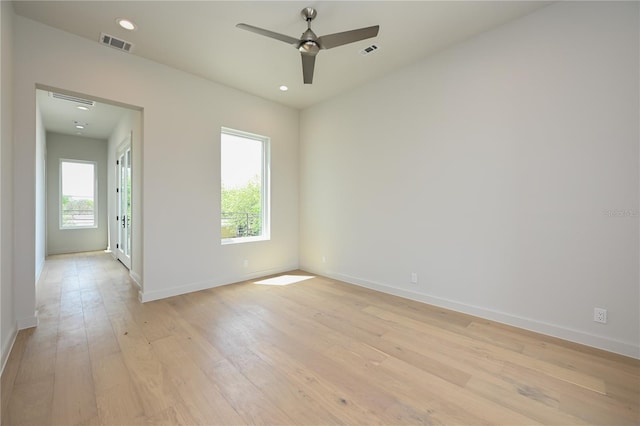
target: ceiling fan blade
308 63
338 39
289 40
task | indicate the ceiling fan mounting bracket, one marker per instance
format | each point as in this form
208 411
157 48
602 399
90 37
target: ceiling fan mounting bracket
309 14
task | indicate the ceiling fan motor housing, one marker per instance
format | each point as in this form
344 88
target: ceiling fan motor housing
308 44
309 47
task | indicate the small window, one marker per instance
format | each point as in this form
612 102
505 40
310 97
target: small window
78 194
244 186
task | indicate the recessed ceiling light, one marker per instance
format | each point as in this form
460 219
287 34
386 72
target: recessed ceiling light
83 108
284 88
126 24
78 126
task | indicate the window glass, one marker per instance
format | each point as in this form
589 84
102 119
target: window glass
244 186
77 194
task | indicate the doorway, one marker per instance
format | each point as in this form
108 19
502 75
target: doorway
115 127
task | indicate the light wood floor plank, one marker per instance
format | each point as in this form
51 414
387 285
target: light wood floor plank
315 352
30 403
119 405
334 396
587 381
11 369
74 399
148 375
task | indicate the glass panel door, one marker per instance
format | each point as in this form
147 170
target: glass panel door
124 205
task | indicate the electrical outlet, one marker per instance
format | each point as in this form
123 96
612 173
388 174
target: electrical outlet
600 315
414 278
324 259
245 264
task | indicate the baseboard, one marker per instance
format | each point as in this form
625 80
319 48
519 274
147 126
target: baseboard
7 347
149 296
576 336
28 322
137 279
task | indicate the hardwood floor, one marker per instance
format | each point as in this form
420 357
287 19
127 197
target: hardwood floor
313 352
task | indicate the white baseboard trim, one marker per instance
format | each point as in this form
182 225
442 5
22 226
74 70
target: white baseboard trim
28 322
7 347
576 336
137 279
149 296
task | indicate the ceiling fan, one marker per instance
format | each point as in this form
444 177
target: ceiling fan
309 44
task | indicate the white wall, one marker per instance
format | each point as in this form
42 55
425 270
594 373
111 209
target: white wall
180 181
8 326
488 170
71 147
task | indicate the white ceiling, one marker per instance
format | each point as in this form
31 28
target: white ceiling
59 116
200 37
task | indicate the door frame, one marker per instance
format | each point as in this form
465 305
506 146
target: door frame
124 255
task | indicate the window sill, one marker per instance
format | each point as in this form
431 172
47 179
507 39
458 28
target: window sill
71 228
228 241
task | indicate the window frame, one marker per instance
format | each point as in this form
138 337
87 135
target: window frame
63 227
265 187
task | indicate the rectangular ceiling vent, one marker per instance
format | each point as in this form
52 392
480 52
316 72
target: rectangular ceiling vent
369 50
115 42
73 99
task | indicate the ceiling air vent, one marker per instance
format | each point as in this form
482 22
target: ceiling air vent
369 50
73 99
115 42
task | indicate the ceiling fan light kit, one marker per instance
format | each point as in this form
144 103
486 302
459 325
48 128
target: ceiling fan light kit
309 44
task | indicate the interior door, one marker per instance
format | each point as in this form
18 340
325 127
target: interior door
123 217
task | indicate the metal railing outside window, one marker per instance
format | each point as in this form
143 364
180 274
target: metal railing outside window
237 225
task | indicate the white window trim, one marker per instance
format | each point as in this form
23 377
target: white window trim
95 194
266 186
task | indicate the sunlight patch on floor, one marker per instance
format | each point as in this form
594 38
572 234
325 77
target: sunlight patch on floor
284 280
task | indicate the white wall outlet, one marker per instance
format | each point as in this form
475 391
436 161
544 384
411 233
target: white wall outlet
414 278
600 315
324 259
245 263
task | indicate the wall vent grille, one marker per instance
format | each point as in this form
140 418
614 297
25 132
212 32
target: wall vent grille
73 99
116 43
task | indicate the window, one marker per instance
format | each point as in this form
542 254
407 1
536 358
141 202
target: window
244 164
77 194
